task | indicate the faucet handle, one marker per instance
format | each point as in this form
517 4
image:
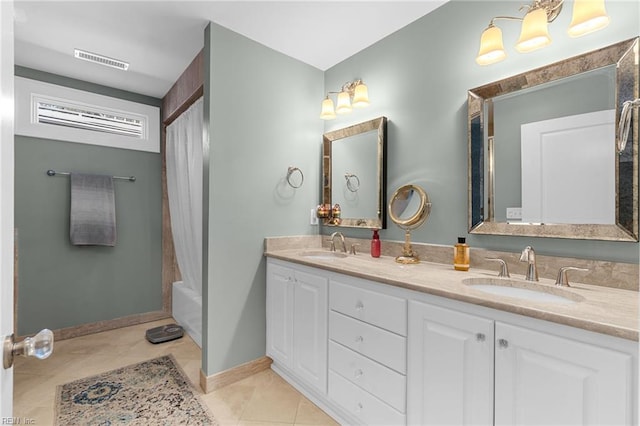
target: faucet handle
504 270
353 248
563 279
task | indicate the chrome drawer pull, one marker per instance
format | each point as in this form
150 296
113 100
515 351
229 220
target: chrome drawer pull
358 373
359 339
503 344
359 306
480 337
359 407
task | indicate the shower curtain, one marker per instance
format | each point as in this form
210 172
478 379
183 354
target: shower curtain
184 187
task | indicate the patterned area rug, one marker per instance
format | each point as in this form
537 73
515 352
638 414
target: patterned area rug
154 392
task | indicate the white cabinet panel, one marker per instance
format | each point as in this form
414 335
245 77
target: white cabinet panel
360 404
543 379
381 310
450 367
280 314
310 328
380 345
371 376
297 308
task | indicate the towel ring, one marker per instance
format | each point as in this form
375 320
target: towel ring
290 171
353 182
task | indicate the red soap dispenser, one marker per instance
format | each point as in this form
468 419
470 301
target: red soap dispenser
375 244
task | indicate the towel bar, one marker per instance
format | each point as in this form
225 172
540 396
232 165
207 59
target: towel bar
53 173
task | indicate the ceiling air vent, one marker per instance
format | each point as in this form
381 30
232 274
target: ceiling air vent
100 59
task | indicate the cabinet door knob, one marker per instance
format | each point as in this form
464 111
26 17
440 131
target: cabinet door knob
503 344
359 407
359 306
359 339
480 337
358 373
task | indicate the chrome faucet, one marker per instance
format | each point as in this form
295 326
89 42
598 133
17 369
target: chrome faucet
529 256
333 243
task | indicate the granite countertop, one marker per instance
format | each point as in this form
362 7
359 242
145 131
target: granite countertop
601 309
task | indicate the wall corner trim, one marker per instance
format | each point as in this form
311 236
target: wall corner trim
232 375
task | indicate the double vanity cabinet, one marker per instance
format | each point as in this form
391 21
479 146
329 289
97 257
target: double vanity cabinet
372 353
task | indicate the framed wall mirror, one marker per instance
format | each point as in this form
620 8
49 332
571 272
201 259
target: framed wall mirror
543 155
354 174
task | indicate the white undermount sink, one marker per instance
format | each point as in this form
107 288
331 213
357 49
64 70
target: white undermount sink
522 290
323 254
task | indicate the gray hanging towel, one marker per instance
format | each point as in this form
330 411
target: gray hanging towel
93 210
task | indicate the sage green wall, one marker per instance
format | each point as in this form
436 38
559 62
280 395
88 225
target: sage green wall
419 76
261 116
60 285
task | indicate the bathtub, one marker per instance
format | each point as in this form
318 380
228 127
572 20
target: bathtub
187 310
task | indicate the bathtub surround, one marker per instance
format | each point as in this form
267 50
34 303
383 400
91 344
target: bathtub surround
186 308
78 290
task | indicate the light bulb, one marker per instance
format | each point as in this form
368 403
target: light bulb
588 16
327 112
491 46
344 103
361 96
535 31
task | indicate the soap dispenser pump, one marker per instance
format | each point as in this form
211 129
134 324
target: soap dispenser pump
375 244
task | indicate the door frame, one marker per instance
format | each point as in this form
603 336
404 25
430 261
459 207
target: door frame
6 195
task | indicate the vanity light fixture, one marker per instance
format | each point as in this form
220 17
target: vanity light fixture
353 94
588 16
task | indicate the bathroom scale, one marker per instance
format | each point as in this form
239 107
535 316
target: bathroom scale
165 333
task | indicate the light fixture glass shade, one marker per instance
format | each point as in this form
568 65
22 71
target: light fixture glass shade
491 47
360 96
535 31
344 103
588 16
327 112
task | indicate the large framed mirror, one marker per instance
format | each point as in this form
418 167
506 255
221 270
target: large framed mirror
354 174
543 153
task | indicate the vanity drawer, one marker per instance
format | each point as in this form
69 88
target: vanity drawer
375 378
382 310
361 404
380 345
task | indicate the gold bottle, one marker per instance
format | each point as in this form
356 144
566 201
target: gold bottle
461 255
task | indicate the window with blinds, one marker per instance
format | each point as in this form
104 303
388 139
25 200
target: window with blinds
63 113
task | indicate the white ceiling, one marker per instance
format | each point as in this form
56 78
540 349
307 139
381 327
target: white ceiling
160 38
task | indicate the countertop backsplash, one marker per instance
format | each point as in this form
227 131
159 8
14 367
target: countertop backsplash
623 276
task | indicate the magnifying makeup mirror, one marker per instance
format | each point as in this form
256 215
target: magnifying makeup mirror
409 208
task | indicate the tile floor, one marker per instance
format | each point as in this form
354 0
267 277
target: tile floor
262 399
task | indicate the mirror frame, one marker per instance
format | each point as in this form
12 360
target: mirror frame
480 99
416 220
380 125
420 216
